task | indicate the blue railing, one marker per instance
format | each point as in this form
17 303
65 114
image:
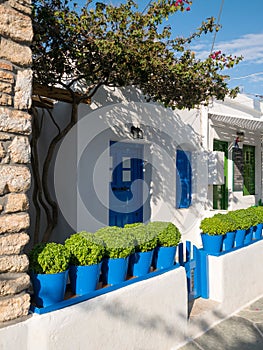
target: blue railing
195 262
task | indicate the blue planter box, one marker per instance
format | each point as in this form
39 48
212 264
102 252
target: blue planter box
164 257
239 239
84 279
49 288
114 271
212 243
257 233
140 263
228 241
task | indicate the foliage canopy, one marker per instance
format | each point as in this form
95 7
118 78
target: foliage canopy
119 46
82 49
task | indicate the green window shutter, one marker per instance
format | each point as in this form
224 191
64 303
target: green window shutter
220 192
249 170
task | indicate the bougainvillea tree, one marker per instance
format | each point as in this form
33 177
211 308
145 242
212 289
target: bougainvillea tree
82 49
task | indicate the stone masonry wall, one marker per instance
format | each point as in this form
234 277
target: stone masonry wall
15 128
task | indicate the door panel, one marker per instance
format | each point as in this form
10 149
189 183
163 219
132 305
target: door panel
126 195
220 192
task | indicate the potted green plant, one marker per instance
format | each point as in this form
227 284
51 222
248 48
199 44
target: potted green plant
145 242
229 236
48 266
86 253
119 245
243 222
213 229
168 237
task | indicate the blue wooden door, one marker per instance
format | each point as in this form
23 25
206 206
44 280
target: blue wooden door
126 195
183 179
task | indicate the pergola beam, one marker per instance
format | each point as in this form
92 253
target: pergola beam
55 93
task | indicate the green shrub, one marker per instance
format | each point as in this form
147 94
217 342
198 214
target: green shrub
216 225
47 258
243 220
119 243
144 239
135 224
168 235
229 223
85 249
257 213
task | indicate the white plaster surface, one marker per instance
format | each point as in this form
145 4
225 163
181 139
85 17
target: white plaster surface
148 315
236 278
82 167
88 186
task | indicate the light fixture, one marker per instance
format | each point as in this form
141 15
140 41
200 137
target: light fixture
136 132
239 138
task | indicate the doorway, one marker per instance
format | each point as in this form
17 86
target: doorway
125 193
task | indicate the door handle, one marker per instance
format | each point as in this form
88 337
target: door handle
122 189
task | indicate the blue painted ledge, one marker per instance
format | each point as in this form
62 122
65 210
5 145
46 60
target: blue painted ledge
78 299
234 249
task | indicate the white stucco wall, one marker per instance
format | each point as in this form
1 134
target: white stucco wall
148 315
236 278
82 176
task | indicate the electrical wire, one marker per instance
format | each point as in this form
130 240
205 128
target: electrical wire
218 21
149 3
247 76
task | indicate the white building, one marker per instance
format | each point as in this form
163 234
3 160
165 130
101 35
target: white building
234 127
128 160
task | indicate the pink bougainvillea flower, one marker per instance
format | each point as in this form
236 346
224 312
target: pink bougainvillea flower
215 54
177 3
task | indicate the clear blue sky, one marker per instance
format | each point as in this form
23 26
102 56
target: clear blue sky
241 34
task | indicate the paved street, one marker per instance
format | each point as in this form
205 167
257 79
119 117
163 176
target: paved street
243 331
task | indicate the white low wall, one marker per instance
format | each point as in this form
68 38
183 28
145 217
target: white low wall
147 315
236 278
151 314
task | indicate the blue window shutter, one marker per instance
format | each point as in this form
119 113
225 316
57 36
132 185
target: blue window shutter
183 179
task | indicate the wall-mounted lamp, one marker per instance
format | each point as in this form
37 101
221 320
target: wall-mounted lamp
239 138
136 132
